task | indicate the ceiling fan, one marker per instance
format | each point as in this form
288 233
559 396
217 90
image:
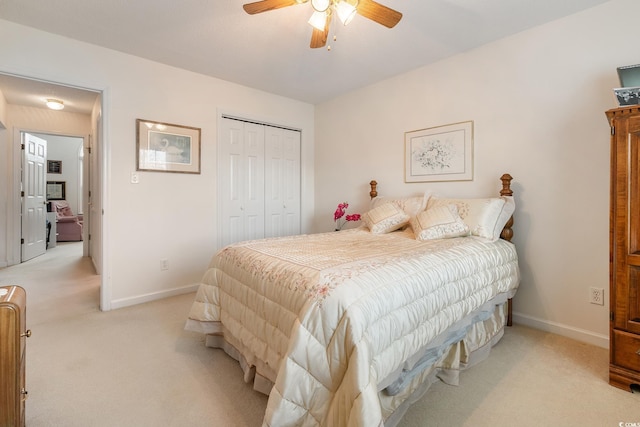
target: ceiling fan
323 11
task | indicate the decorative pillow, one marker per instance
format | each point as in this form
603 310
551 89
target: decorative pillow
410 205
440 222
385 218
63 209
484 217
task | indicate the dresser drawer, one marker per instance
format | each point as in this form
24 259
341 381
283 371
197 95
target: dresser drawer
12 354
626 350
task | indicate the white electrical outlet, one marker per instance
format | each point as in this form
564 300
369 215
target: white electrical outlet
135 178
596 296
164 264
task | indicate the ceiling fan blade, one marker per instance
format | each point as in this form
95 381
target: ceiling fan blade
266 5
379 13
318 37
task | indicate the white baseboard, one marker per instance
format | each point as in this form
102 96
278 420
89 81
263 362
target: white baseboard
577 334
9 263
140 299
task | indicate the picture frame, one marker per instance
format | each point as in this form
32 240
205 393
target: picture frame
441 153
54 166
165 147
56 190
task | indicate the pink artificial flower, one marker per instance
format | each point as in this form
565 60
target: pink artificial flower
340 212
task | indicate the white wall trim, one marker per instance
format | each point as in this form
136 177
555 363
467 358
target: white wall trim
577 334
154 296
105 184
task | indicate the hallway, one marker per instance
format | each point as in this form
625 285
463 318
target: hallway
59 284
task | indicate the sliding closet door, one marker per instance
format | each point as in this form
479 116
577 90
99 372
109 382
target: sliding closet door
282 182
241 175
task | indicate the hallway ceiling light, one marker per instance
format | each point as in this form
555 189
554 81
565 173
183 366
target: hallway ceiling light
55 104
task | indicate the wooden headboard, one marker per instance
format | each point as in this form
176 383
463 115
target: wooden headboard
506 234
507 231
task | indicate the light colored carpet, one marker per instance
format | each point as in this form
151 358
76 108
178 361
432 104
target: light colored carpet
137 366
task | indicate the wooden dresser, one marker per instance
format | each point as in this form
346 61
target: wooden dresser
624 248
13 335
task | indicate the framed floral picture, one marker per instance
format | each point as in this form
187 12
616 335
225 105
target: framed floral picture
442 153
165 147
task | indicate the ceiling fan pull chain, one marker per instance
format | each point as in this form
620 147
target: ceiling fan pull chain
333 28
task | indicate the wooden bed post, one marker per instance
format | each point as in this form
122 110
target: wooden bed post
507 231
374 189
507 234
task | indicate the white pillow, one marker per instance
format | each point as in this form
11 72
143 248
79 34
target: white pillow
485 217
385 218
440 222
410 205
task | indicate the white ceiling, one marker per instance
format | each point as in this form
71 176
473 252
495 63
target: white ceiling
270 51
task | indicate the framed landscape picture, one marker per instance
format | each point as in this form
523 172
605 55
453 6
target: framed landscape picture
164 147
442 153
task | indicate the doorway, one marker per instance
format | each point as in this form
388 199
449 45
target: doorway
88 161
62 182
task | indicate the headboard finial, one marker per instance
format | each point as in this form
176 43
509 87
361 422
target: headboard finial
374 189
506 185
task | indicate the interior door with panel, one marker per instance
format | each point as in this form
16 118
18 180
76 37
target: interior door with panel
34 196
282 182
241 181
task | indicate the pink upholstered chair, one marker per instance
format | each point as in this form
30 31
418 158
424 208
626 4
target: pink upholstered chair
68 225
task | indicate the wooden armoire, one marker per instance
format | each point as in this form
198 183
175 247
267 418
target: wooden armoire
624 248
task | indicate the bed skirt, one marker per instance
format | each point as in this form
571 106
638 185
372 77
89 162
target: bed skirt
463 345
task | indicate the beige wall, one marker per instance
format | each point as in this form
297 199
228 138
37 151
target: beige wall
537 100
165 216
5 162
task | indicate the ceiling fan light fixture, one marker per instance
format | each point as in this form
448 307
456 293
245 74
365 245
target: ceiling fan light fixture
320 5
54 104
318 20
346 11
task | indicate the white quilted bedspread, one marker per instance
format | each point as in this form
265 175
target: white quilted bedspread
332 314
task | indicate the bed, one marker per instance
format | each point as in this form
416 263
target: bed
349 328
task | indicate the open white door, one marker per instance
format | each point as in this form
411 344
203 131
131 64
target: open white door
34 196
